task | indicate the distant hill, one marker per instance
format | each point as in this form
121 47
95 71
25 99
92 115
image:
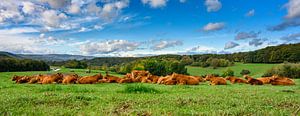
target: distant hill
9 55
271 54
54 57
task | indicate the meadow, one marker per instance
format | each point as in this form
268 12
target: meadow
149 99
256 69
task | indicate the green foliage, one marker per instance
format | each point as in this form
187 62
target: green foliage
215 62
139 88
291 70
228 72
245 72
11 65
75 64
186 60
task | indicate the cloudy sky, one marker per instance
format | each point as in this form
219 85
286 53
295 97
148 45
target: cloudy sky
146 27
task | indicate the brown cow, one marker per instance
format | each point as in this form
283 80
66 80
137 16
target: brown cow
215 80
17 78
265 80
126 80
162 80
253 81
90 79
234 80
153 78
54 78
185 79
70 79
276 80
112 79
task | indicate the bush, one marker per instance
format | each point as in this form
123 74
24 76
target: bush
245 72
228 72
291 70
215 62
139 88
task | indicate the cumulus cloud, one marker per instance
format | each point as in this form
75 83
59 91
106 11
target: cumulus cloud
28 7
230 45
250 13
246 35
48 40
292 19
110 46
9 11
201 49
213 26
166 44
293 9
291 37
74 8
285 24
155 3
57 3
20 43
257 42
213 5
52 18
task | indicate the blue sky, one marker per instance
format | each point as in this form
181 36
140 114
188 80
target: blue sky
146 27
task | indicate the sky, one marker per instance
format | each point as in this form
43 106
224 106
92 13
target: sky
134 28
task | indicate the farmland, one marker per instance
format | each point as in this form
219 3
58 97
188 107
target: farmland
256 69
148 99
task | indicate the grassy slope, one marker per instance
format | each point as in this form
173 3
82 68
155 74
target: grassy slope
108 99
256 70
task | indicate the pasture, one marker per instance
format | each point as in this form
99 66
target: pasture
256 69
147 99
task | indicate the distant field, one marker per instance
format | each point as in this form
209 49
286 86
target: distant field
118 99
256 70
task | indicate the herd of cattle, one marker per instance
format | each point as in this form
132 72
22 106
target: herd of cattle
146 77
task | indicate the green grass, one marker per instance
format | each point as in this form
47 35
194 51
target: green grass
256 70
138 99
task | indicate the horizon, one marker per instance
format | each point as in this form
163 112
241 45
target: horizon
138 28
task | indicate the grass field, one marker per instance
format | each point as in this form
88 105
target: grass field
143 99
256 70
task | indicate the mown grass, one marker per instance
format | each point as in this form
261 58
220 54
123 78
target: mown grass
139 99
256 69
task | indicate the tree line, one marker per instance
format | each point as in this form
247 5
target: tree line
12 65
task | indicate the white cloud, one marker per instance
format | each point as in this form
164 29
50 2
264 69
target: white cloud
74 8
201 49
166 44
52 18
291 37
155 3
250 13
17 31
293 9
28 7
213 26
246 35
93 8
213 5
57 3
106 47
14 41
230 45
257 42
